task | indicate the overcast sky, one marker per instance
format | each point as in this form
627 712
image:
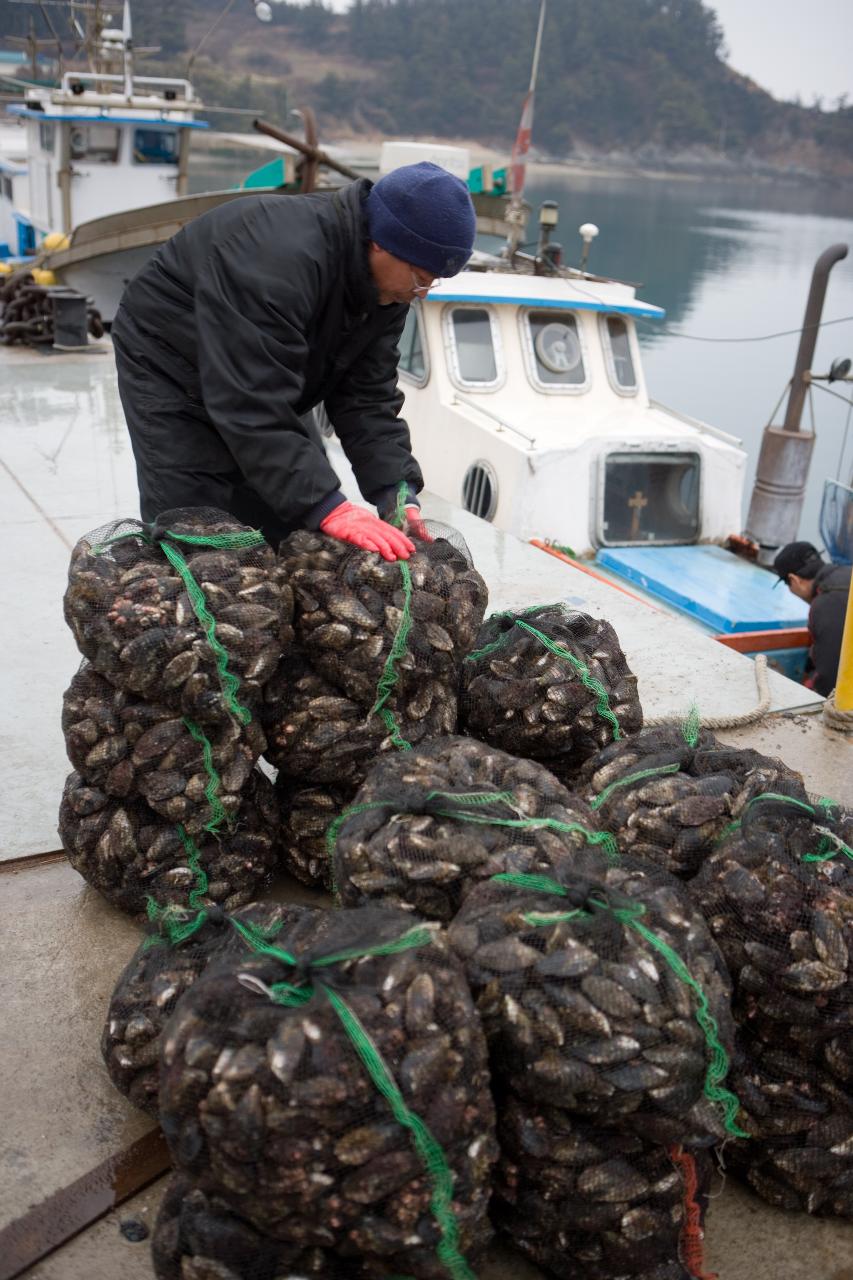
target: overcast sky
790 47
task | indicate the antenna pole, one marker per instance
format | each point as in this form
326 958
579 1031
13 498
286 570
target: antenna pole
515 214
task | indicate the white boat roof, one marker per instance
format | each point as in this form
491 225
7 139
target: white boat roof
559 292
153 114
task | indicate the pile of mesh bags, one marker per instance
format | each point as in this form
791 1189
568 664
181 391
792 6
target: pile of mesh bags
549 683
331 1092
778 897
182 624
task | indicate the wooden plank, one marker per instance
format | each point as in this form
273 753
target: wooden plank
72 1209
761 641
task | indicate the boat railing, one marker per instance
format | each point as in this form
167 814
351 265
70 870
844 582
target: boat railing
163 82
503 425
697 423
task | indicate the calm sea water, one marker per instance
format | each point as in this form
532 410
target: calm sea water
726 260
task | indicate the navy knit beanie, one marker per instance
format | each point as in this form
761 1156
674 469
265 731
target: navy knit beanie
423 215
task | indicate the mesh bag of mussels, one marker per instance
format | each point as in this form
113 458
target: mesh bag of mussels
127 746
591 1203
549 682
306 814
386 640
179 944
668 793
429 824
799 1154
602 991
197 1236
129 854
334 1091
778 896
193 611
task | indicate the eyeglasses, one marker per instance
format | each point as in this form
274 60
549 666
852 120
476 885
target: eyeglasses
421 290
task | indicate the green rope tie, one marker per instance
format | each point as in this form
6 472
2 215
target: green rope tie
430 1151
718 1066
501 640
228 682
398 520
389 678
605 795
172 918
218 816
691 726
830 844
602 838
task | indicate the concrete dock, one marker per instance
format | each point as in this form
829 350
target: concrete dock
66 468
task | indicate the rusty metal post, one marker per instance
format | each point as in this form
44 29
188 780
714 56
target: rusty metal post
783 464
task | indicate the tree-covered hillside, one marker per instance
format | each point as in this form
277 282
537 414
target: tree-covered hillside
617 75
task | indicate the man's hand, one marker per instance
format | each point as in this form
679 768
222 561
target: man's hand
353 524
415 524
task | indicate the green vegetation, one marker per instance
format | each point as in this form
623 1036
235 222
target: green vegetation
617 75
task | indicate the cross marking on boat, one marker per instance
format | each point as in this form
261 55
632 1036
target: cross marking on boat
638 501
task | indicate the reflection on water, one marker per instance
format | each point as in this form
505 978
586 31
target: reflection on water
726 260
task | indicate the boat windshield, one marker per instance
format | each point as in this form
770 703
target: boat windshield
155 146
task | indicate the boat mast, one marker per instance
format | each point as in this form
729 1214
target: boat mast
518 163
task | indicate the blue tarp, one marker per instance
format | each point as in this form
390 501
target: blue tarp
709 584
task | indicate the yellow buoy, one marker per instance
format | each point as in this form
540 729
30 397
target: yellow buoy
5 269
55 241
42 276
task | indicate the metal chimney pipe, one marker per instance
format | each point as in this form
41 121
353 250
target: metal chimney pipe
808 337
785 457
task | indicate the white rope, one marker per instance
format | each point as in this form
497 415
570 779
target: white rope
757 713
841 721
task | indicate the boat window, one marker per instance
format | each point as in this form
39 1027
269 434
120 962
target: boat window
97 143
554 351
650 498
47 135
473 347
617 352
412 348
155 146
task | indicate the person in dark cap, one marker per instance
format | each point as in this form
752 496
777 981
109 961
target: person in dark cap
825 588
257 311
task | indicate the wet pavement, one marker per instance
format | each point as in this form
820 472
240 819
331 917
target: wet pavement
66 468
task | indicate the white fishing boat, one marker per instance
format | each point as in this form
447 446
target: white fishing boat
101 141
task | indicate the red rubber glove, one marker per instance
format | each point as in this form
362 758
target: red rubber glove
363 529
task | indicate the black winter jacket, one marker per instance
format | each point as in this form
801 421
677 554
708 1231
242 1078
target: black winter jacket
826 623
258 310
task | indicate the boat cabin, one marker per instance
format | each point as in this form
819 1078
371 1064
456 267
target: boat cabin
527 404
97 145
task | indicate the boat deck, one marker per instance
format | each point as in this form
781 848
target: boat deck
65 468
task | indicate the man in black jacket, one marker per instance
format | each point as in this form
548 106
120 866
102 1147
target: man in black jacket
257 311
825 588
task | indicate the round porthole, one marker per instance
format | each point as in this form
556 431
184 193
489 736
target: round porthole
480 490
558 347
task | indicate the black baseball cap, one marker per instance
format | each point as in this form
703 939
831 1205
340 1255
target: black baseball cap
794 558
